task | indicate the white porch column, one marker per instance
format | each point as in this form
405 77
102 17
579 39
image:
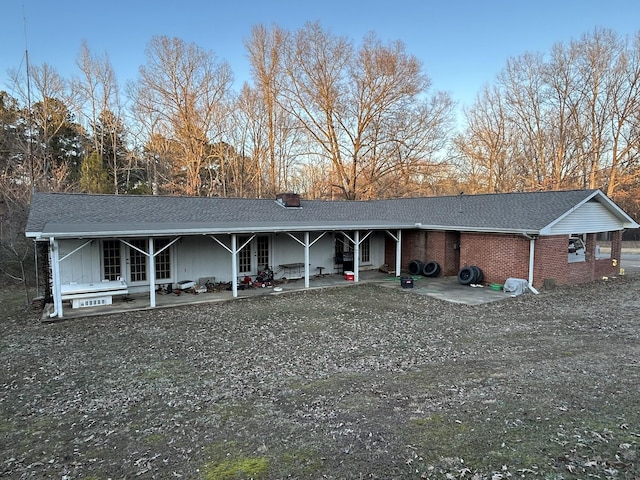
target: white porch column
152 275
399 253
55 277
356 256
234 264
306 259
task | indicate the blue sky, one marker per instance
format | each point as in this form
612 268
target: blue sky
462 44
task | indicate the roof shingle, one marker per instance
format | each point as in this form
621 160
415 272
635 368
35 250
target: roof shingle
60 213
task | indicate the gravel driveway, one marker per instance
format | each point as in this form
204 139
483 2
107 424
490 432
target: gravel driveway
359 382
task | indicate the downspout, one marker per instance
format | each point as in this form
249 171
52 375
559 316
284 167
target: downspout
532 250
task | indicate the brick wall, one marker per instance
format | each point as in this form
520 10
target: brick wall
498 256
443 247
414 246
505 256
427 246
551 260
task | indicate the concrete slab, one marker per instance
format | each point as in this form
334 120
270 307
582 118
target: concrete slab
443 288
450 290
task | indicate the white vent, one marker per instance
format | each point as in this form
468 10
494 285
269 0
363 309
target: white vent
91 302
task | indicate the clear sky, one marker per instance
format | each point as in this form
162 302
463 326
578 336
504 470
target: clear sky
462 44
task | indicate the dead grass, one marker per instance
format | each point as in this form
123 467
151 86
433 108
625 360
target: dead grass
359 382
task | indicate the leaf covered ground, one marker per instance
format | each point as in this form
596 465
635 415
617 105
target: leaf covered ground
360 382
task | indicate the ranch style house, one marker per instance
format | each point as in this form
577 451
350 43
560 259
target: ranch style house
98 246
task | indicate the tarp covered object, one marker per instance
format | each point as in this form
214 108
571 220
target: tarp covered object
515 286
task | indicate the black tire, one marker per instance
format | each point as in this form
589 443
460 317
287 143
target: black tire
416 267
431 269
479 275
466 276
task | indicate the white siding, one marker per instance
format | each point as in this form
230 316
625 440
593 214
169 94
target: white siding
202 257
83 266
592 217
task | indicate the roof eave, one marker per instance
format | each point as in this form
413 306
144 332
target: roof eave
215 231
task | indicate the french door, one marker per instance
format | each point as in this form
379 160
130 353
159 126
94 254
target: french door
254 256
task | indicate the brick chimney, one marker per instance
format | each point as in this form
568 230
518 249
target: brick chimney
288 199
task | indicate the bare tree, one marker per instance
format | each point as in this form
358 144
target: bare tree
348 100
182 94
487 144
569 122
54 135
266 49
99 89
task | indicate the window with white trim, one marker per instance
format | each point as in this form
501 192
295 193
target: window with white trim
138 261
244 256
263 252
111 262
365 250
162 259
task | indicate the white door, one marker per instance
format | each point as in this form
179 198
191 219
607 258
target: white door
255 256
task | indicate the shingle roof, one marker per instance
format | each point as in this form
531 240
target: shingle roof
58 214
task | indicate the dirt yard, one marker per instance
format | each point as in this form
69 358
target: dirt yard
342 383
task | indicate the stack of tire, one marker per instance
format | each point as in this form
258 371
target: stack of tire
429 269
470 275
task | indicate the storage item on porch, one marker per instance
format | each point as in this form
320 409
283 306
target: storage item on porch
349 276
93 294
345 261
406 282
185 284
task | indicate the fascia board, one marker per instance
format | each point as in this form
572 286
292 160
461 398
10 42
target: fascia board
58 232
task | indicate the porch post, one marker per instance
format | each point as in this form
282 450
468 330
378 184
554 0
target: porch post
356 255
152 275
306 259
55 277
399 253
234 264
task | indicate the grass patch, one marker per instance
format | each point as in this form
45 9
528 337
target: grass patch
237 468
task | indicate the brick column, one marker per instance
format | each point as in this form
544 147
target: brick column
616 245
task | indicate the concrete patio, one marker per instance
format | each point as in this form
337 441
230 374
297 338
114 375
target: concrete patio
443 288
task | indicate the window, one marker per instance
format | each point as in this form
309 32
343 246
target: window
162 259
244 255
111 260
263 252
365 250
138 261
